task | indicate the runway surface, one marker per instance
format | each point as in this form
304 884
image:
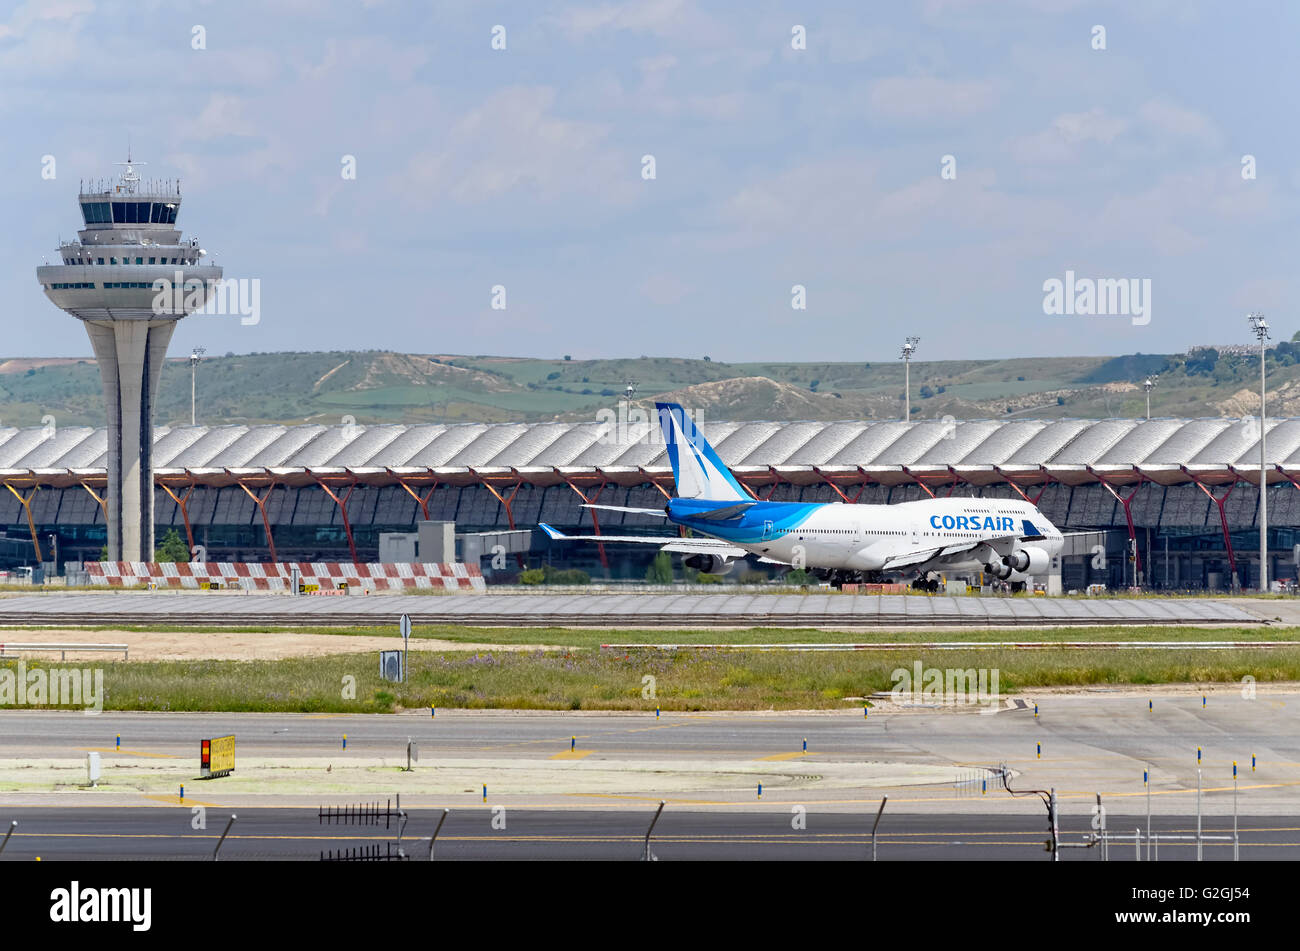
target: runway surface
479 833
586 785
610 610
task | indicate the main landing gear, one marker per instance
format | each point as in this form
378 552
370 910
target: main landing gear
928 581
838 578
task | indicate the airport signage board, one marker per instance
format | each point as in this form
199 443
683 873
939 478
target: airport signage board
217 757
390 666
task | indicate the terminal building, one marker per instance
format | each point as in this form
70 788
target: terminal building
1175 501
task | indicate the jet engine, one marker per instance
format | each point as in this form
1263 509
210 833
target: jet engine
709 564
1021 562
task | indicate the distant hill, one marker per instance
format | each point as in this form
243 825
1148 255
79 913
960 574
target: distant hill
380 386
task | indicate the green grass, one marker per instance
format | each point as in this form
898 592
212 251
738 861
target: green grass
615 680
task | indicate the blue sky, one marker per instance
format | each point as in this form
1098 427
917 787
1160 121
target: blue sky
522 167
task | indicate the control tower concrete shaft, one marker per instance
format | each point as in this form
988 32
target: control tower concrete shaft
129 279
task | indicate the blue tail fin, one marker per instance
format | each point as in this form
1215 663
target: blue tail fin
697 470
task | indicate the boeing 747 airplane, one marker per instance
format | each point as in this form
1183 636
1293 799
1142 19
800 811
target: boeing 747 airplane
1008 539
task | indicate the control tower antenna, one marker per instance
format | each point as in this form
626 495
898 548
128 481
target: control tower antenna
130 180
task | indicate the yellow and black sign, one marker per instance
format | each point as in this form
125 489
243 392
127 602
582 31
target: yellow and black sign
217 757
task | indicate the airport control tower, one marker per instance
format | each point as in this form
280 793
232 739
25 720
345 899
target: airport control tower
107 280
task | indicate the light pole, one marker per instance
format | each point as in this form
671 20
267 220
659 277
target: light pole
1149 384
1260 327
630 390
909 348
195 355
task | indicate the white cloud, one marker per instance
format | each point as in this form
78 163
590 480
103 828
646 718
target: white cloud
44 11
654 16
513 143
222 116
928 97
1177 121
1068 134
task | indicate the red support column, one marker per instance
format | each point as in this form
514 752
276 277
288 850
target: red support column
26 501
776 483
595 522
420 500
260 501
505 501
908 472
343 510
840 492
956 479
654 482
1128 514
1034 501
103 508
1286 475
182 503
1223 519
681 532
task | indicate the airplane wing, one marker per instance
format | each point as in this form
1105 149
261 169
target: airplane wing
627 508
718 514
685 546
729 511
909 558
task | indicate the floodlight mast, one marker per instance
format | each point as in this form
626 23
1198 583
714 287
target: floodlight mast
195 356
1150 384
1259 326
909 348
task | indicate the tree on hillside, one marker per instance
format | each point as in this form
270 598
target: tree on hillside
1201 363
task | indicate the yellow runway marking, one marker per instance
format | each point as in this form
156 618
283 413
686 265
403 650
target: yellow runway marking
573 754
109 749
780 757
177 801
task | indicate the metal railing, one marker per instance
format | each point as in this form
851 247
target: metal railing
7 647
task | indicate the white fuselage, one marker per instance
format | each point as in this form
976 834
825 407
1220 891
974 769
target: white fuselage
867 537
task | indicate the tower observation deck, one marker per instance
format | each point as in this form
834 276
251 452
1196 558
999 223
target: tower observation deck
129 278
